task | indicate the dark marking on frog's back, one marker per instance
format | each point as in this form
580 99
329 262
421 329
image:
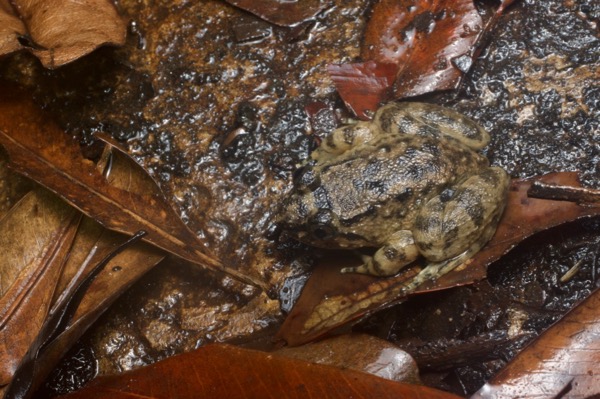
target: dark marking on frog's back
369 212
322 199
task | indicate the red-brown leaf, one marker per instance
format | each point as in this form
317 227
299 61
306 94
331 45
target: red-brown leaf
562 362
223 371
331 299
430 44
363 85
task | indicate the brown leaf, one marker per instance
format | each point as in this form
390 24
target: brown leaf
59 31
359 352
331 299
284 13
36 236
562 362
11 28
40 150
224 371
92 244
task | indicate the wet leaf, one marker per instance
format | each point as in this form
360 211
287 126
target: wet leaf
331 299
363 85
35 238
359 352
562 362
430 43
423 38
224 371
284 13
59 31
40 150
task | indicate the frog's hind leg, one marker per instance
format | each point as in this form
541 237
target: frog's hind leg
399 251
462 217
422 119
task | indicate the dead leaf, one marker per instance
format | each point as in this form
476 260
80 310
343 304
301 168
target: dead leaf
40 150
59 31
284 13
36 236
562 362
224 371
430 44
92 244
331 299
363 85
359 352
425 39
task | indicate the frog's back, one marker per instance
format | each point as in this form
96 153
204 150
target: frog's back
384 182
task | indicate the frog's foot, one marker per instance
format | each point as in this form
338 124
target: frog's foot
433 271
461 217
399 251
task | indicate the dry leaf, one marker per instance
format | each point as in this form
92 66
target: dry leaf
224 371
35 237
562 362
331 299
59 31
40 150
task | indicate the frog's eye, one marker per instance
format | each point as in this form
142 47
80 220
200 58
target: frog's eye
322 225
305 177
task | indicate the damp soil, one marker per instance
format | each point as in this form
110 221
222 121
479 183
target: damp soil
221 106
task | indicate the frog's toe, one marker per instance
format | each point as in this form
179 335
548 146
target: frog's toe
363 269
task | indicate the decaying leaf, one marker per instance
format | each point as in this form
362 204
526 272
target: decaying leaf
40 150
359 352
331 299
59 31
224 371
284 13
562 362
35 237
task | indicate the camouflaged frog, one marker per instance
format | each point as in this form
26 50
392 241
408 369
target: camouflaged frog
410 183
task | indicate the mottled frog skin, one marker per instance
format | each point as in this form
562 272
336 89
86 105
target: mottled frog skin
410 183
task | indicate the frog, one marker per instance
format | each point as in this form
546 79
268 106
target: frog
411 183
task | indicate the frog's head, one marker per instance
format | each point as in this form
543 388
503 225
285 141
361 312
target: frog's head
305 221
306 215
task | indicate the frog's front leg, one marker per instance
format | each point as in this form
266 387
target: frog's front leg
399 251
462 218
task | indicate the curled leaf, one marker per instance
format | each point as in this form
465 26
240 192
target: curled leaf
59 31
